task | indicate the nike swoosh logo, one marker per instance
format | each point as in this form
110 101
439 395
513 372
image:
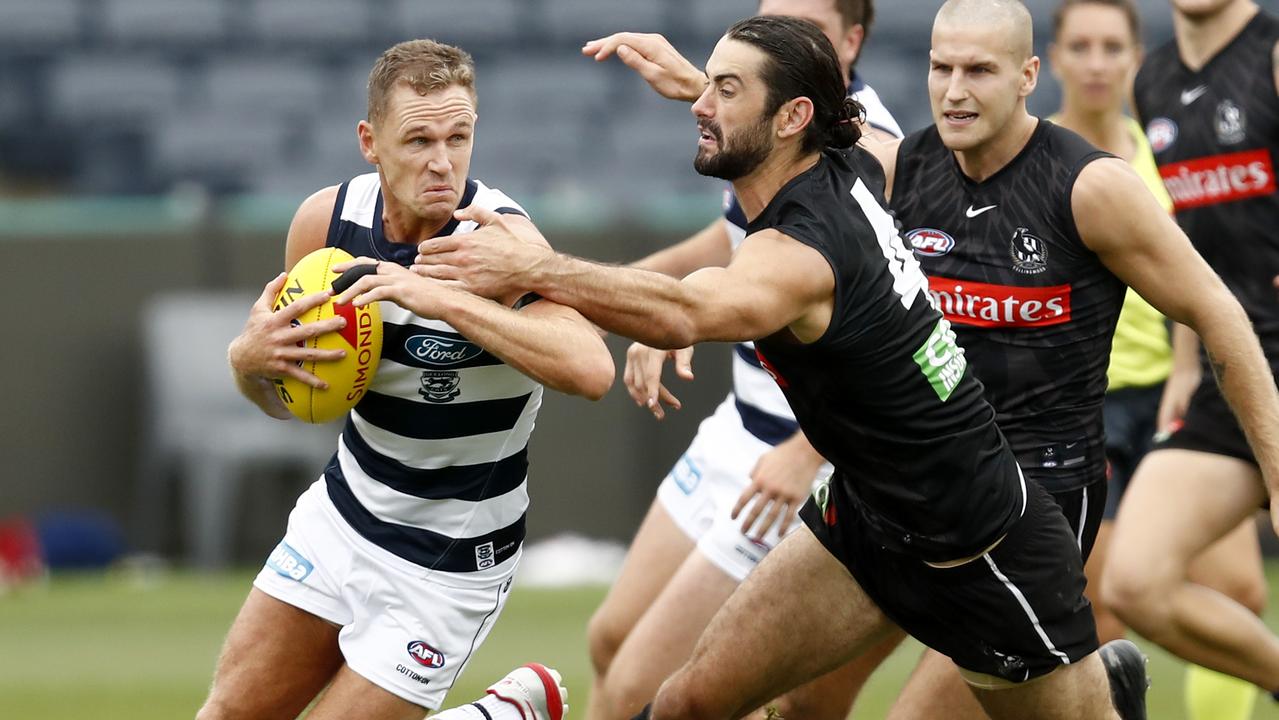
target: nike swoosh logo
1191 95
972 213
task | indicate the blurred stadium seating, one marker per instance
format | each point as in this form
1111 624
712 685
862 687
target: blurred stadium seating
272 85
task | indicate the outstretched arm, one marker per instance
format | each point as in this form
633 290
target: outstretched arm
655 59
1123 223
772 282
546 341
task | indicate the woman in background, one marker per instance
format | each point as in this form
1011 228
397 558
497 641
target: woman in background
1095 54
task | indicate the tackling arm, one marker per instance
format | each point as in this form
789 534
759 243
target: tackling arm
1123 223
772 282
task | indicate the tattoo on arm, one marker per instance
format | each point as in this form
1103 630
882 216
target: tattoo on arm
1218 368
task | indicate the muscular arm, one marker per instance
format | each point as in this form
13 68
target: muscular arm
1122 222
253 362
1274 58
548 342
710 247
772 282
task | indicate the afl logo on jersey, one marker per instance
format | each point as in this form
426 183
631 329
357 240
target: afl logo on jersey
1162 133
1029 253
929 242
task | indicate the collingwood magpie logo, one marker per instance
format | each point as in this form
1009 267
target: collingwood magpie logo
1229 123
440 386
1029 253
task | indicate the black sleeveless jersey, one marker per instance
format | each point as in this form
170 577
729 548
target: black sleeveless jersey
1215 135
885 394
1033 307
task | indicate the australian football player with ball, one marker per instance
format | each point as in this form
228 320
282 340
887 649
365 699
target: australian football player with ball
398 560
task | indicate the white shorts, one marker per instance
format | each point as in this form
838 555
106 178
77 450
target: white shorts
406 629
702 488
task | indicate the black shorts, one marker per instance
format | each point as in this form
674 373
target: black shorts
1209 426
1016 612
1083 509
1130 414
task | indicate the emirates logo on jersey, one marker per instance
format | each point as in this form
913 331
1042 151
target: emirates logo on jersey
993 306
1219 178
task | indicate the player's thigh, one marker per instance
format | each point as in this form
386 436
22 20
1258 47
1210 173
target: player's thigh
658 550
275 660
1179 503
797 617
1233 567
352 696
664 637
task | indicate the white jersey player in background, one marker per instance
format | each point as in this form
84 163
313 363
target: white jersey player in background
692 550
397 562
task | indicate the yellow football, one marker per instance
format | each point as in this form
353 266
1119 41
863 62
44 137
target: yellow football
348 378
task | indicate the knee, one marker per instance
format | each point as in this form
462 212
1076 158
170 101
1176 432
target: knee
679 706
1134 596
1250 591
603 637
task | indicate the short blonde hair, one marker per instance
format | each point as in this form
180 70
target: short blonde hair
426 65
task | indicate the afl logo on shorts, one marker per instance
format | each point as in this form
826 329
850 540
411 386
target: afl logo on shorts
1162 133
929 242
425 655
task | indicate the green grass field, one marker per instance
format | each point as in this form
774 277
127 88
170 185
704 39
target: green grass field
111 647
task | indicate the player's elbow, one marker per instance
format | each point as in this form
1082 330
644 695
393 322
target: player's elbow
674 332
595 377
586 374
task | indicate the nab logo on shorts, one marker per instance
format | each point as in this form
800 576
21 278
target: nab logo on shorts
289 563
929 242
425 655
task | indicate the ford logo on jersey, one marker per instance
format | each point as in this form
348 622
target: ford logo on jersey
436 350
425 655
930 242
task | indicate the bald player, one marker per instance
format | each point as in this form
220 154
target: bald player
1028 235
927 524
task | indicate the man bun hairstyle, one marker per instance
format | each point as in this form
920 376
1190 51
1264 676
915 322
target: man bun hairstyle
799 61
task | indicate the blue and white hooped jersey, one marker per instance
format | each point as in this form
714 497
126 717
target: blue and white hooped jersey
764 410
432 464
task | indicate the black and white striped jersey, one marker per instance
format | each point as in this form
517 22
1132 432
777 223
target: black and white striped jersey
432 463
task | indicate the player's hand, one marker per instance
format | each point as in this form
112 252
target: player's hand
1176 398
272 345
393 282
655 59
780 482
495 261
643 376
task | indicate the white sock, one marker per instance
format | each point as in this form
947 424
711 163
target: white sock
488 707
